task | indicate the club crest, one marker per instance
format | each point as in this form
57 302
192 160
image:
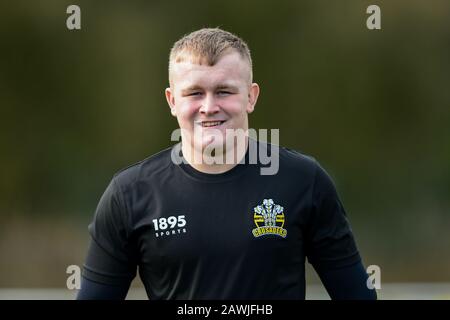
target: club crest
269 219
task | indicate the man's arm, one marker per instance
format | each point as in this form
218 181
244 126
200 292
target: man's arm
330 244
112 258
91 290
103 277
347 283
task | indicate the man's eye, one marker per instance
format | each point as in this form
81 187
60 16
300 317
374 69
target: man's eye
194 94
224 92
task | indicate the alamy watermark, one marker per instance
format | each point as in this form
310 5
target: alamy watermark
73 281
73 22
374 280
225 149
373 22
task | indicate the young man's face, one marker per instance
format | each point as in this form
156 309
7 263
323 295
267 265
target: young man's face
208 100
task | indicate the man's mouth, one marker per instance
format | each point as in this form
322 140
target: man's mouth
208 124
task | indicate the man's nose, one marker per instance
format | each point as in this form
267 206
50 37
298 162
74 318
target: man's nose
209 105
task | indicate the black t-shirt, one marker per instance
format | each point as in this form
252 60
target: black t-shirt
234 235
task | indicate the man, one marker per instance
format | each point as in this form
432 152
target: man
204 228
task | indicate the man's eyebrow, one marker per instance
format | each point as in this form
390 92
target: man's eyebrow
191 88
226 86
218 87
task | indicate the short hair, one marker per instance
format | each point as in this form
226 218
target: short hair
208 45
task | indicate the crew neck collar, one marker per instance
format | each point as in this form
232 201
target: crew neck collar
231 174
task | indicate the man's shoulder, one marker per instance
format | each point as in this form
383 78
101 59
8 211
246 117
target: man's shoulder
291 158
296 156
145 168
290 162
320 176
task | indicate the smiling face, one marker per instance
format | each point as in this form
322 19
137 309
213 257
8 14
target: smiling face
208 100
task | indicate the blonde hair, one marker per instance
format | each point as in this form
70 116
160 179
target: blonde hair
208 45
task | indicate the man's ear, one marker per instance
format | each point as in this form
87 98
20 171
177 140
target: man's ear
253 94
171 101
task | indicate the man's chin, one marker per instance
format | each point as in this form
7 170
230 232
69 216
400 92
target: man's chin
217 139
212 142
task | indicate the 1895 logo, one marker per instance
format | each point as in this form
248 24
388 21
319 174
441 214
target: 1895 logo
169 226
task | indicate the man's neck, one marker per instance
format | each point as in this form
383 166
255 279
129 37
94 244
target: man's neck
192 156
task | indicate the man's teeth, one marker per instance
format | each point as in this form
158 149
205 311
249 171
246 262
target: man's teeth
211 123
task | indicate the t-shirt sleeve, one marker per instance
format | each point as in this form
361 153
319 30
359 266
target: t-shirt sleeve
329 242
112 255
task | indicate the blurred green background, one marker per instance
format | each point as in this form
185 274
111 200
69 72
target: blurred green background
372 106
